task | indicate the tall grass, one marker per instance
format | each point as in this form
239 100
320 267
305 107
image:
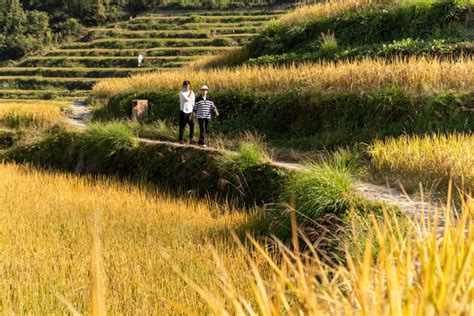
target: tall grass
405 268
430 160
104 140
250 148
413 75
30 115
324 188
331 8
50 222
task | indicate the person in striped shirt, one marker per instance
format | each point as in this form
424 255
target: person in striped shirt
203 108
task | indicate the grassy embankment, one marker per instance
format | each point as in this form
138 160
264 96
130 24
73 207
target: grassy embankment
352 30
243 178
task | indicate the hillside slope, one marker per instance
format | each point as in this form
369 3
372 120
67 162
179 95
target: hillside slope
167 41
443 29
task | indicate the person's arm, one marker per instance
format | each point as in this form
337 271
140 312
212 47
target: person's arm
187 96
215 109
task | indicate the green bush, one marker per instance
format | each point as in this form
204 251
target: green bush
441 48
159 130
323 189
7 138
101 142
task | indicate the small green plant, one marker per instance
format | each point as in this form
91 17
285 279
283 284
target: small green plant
251 151
325 188
102 141
328 45
160 130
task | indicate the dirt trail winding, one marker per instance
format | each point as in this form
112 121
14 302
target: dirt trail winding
372 192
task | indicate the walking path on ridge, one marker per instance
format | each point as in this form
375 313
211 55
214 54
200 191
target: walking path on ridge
372 192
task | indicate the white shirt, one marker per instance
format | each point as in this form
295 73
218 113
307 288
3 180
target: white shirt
186 101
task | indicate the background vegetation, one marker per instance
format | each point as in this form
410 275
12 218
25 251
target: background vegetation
30 26
354 29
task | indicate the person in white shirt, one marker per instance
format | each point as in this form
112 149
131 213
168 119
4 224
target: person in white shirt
140 59
187 99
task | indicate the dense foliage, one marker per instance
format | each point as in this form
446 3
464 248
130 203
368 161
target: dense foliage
27 31
28 26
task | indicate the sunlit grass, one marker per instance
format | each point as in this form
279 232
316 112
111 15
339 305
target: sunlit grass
24 115
403 267
46 229
412 75
328 9
431 160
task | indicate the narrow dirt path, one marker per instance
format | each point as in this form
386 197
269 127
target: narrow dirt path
372 192
80 113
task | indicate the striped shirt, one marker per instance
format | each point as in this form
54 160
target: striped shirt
203 108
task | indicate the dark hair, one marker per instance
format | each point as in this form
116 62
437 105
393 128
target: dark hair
186 82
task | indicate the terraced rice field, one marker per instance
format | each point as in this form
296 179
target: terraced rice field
167 41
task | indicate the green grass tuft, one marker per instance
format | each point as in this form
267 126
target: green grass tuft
102 141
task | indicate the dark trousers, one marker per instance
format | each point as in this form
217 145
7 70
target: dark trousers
184 119
203 130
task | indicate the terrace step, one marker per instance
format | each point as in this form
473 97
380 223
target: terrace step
106 61
246 12
202 19
155 52
36 83
101 33
168 40
42 94
189 26
56 72
121 43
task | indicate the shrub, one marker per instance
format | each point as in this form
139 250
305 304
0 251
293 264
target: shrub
7 138
322 189
101 142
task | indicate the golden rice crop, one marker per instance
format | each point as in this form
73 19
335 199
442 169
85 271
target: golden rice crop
404 267
431 159
331 8
413 75
328 9
38 115
52 226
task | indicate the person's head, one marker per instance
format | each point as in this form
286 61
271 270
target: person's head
204 90
186 85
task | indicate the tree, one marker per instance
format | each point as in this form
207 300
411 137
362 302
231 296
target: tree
38 26
15 19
